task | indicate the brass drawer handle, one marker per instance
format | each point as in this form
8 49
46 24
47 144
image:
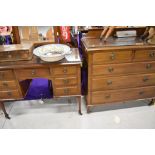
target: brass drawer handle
65 70
5 84
66 91
110 69
9 54
148 66
9 93
141 92
33 72
109 82
152 54
66 81
112 56
145 79
108 96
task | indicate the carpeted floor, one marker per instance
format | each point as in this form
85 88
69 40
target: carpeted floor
61 114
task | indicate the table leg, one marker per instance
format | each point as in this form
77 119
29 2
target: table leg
79 101
4 110
88 109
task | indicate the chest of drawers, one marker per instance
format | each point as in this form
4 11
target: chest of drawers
65 76
118 73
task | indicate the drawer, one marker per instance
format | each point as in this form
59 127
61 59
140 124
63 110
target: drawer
65 81
15 55
131 81
33 72
126 68
103 97
6 75
144 55
66 91
7 85
112 57
12 94
64 70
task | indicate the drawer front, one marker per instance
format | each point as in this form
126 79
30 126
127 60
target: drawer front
33 72
121 82
122 95
64 70
66 91
12 94
125 68
144 55
14 55
6 75
112 57
7 85
65 81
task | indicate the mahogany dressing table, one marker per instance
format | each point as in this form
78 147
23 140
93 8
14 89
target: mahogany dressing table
65 76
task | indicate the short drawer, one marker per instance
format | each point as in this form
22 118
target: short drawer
124 68
6 75
12 94
7 85
66 91
33 72
103 57
65 81
104 97
144 55
64 70
122 82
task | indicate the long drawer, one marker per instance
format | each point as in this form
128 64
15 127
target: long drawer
144 55
65 81
131 81
72 90
124 68
6 75
103 97
12 94
32 72
103 57
7 85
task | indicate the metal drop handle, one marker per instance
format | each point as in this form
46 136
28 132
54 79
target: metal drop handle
66 81
108 96
110 69
152 54
112 56
109 82
33 72
148 66
65 70
145 79
5 84
66 91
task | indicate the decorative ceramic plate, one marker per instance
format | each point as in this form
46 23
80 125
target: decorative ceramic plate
52 52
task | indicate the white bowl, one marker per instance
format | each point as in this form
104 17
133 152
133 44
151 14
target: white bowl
52 52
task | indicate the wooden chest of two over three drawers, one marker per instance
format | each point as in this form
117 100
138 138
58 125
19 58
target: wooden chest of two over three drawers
119 73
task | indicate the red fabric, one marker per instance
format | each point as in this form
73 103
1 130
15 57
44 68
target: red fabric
65 33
